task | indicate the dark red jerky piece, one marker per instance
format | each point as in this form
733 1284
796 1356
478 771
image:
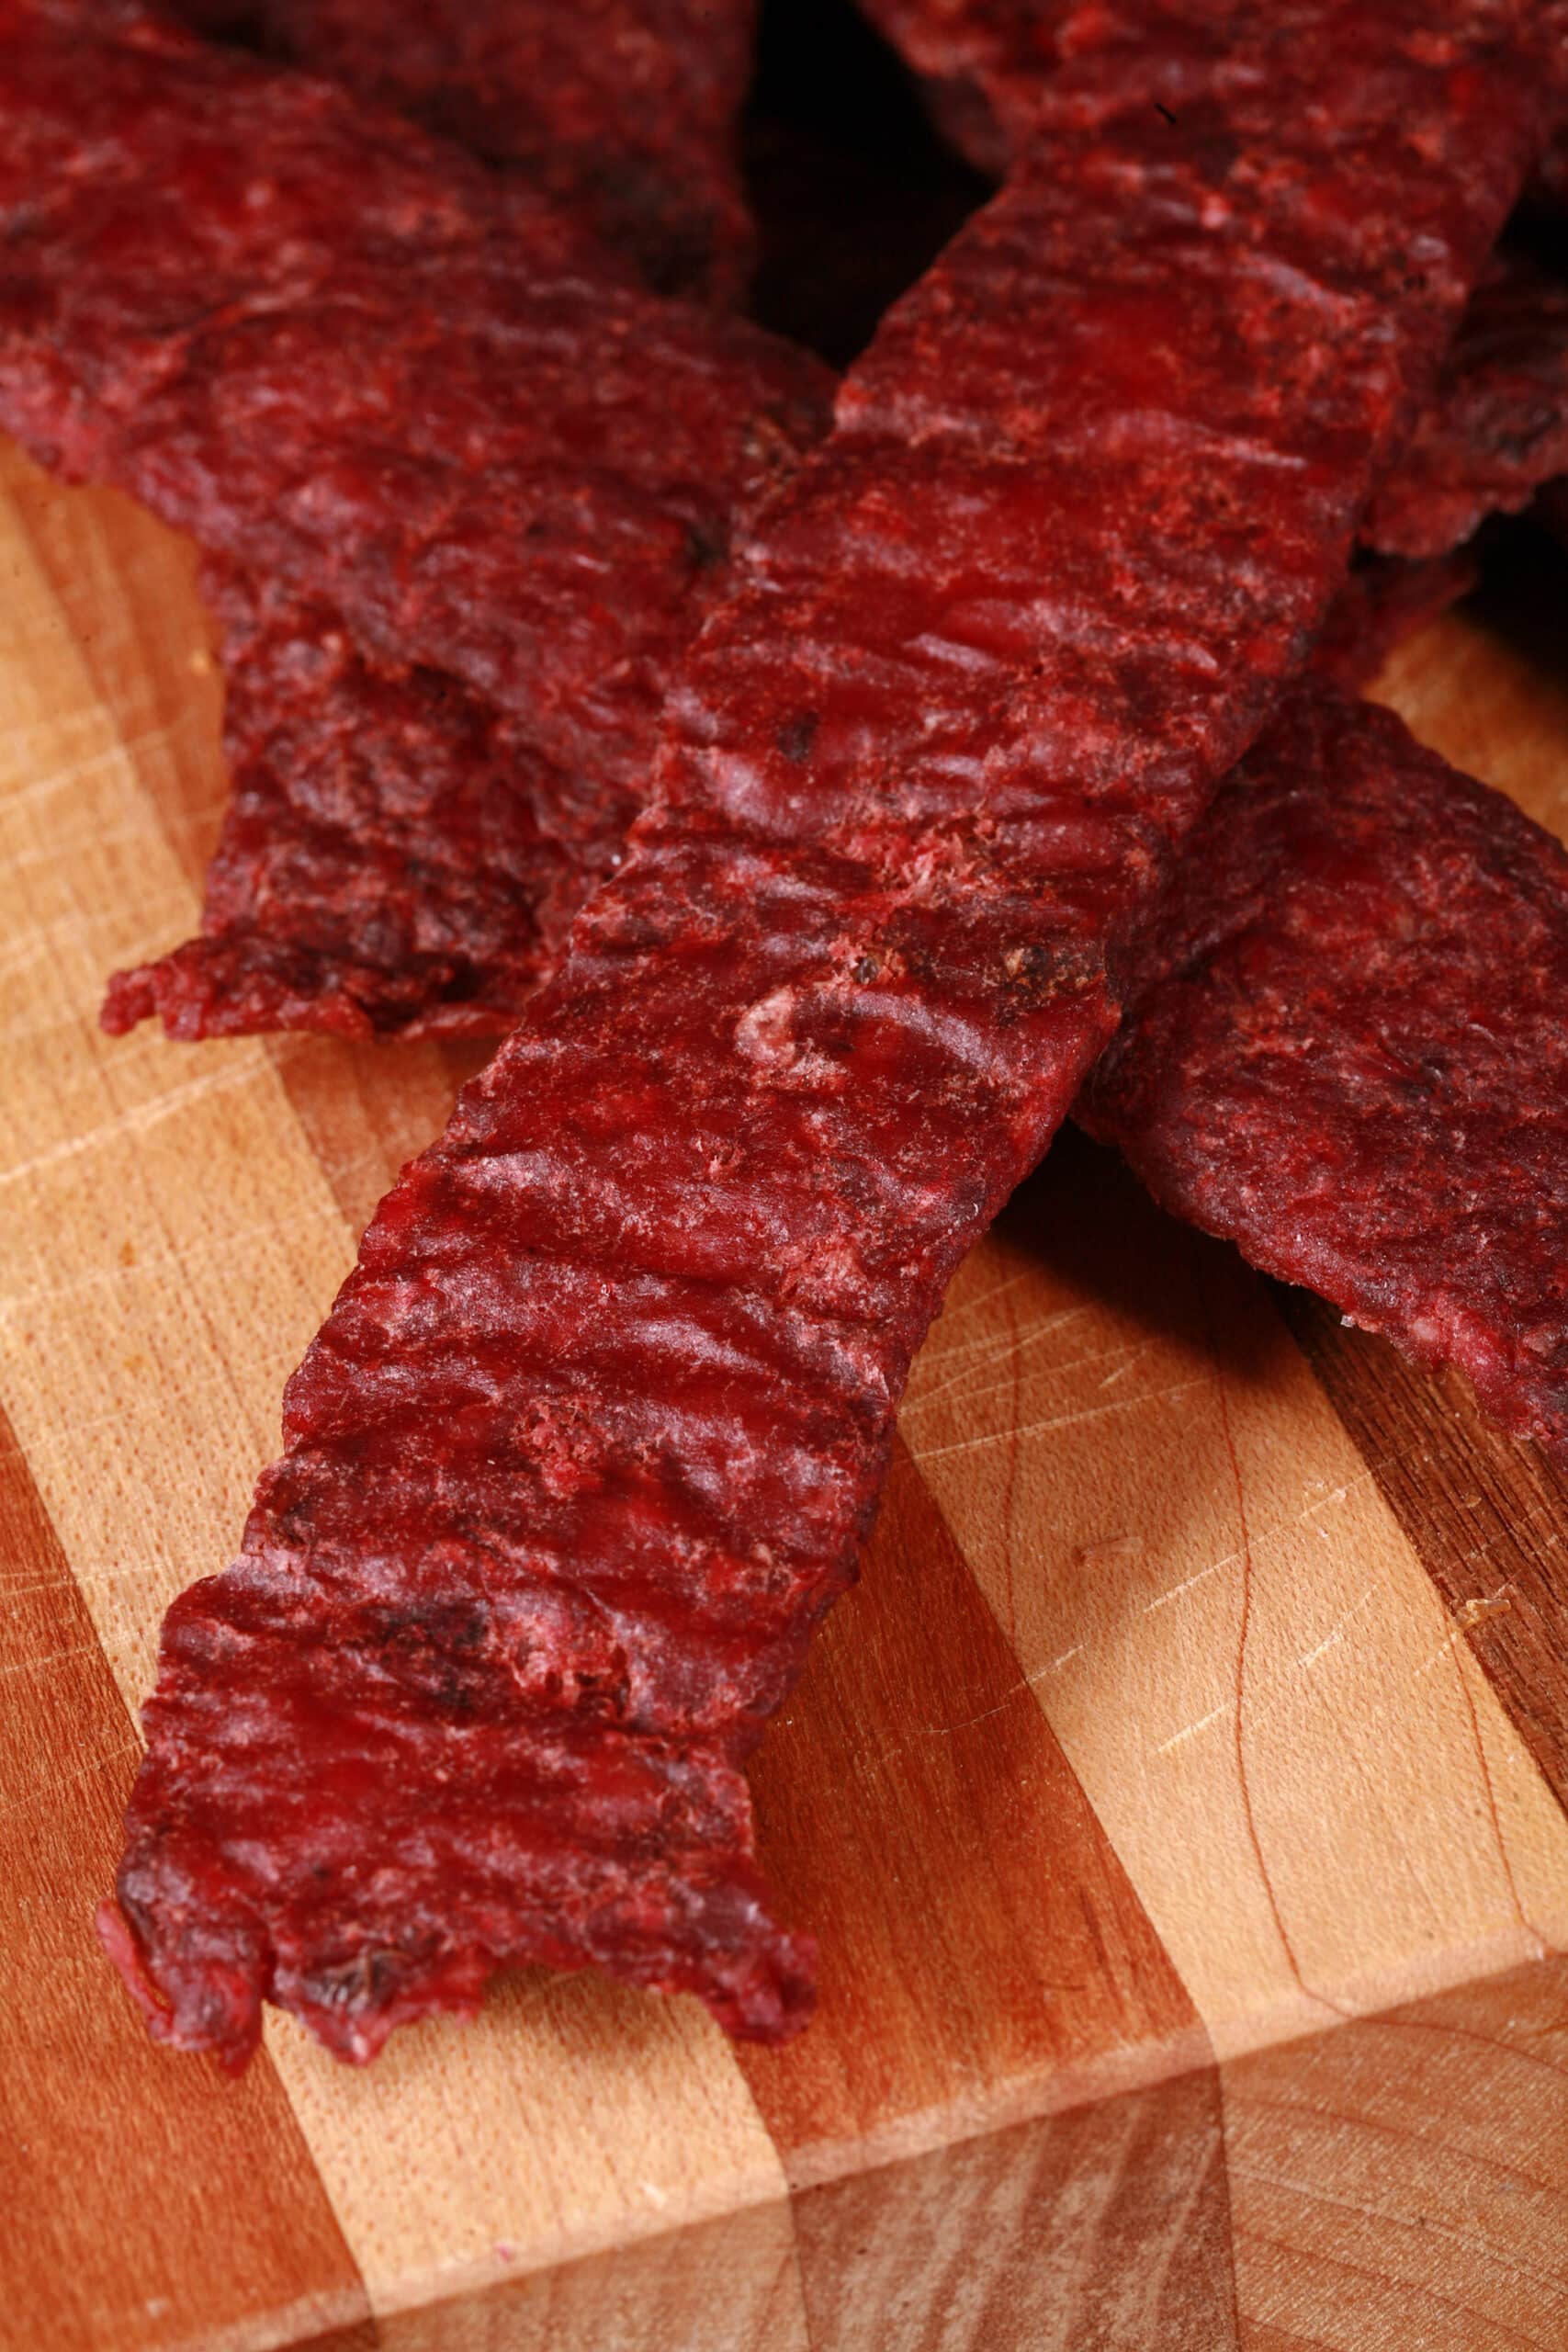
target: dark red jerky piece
594 1433
1382 602
1497 424
397 857
982 63
487 458
1352 1057
623 111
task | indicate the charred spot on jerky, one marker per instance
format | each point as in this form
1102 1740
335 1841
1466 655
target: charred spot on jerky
796 735
707 546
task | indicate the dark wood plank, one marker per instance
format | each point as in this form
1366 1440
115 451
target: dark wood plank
148 2201
983 1955
1103 2229
1487 1513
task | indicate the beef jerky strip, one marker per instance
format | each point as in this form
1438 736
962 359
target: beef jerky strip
1350 1053
392 864
1497 424
399 862
353 915
219 190
397 857
485 456
625 111
595 1428
400 857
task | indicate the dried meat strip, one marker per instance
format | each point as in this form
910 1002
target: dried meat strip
625 111
398 862
1496 427
1350 1054
353 363
397 859
982 63
592 1436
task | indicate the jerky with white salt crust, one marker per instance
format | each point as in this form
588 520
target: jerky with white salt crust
592 1436
1347 1050
349 359
625 111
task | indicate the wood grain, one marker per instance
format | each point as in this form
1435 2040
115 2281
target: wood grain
1404 2182
1487 1513
120 2162
1103 2229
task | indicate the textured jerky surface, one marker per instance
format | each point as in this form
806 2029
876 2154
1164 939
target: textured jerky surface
349 359
397 857
1496 426
396 861
623 110
594 1430
402 856
1352 1059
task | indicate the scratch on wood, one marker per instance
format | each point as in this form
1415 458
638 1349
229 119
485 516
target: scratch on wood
139 1120
1059 1420
1249 1812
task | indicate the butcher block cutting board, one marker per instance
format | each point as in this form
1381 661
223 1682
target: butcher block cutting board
1178 1802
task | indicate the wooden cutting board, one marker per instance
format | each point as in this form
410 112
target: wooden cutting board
1180 1802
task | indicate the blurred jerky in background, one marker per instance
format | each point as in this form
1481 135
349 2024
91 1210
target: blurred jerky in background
623 110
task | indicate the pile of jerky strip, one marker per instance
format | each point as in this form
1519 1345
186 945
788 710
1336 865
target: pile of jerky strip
821 787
